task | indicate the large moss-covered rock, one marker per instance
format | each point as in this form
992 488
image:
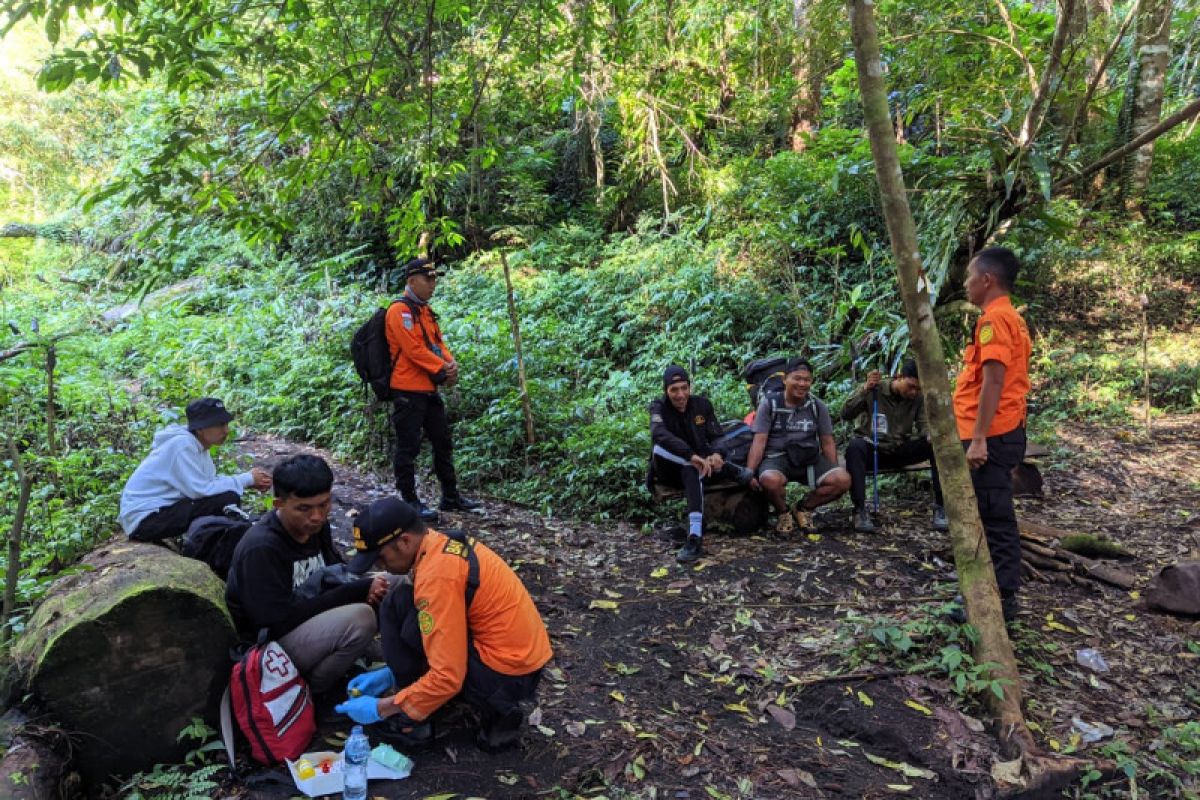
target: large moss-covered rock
127 652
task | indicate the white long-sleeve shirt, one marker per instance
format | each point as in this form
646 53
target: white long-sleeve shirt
178 466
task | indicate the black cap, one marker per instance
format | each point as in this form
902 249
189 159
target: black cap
383 521
674 374
207 412
422 266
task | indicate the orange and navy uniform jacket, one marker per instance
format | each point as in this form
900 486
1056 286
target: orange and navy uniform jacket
416 364
504 624
1000 335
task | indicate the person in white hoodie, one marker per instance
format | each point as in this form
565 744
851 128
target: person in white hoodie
178 481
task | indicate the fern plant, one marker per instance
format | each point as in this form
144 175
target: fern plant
194 779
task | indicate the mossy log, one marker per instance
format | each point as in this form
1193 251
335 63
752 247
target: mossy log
127 652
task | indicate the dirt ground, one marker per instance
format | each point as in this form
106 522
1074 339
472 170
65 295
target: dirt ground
730 678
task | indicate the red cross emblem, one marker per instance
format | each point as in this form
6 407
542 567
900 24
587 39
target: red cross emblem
277 662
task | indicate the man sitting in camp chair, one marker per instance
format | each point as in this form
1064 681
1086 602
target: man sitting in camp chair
793 441
684 428
898 432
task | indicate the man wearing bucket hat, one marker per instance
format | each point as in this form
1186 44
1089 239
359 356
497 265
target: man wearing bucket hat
178 481
465 625
422 363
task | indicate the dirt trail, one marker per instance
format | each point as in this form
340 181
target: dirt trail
725 679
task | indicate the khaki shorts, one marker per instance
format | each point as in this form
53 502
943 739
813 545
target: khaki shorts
811 475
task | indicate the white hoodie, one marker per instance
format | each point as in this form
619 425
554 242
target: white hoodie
178 466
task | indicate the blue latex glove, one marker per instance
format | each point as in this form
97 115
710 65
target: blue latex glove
375 682
363 710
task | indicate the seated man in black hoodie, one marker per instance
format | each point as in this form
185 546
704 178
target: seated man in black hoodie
683 428
269 585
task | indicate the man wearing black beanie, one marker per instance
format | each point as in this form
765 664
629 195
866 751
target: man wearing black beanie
683 427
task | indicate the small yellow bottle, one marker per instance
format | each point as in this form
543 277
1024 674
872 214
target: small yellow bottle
304 769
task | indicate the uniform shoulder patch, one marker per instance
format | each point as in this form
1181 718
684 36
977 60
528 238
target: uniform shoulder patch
425 622
455 548
406 318
986 334
656 418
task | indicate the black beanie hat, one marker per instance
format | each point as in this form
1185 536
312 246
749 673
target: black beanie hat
674 374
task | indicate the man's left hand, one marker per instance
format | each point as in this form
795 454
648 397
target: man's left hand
977 453
363 710
378 591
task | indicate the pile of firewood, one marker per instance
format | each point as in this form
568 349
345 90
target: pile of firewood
1043 558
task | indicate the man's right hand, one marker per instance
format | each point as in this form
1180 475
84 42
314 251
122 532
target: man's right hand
262 479
701 465
873 379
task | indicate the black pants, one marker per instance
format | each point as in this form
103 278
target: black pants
173 520
417 414
993 491
492 693
688 478
860 462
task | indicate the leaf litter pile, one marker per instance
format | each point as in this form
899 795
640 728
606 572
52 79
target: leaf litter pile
821 666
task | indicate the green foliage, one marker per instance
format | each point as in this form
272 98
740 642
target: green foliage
194 779
924 643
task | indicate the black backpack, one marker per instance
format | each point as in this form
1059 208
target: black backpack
764 375
213 539
734 446
371 355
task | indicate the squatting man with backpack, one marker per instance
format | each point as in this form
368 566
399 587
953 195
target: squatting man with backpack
898 408
178 481
683 428
271 580
793 441
422 363
464 624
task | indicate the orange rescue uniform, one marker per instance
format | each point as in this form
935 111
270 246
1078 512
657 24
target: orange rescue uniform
416 363
504 624
1000 335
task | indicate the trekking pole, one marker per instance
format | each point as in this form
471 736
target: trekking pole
875 449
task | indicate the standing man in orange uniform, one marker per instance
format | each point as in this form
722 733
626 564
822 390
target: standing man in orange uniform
423 363
989 405
465 625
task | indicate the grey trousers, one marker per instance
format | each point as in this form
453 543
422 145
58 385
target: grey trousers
324 647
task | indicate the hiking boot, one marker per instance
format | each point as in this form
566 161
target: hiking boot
456 502
957 613
427 514
500 732
940 523
691 550
390 732
786 524
862 521
1011 607
804 519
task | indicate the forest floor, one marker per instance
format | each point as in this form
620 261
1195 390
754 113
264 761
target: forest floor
729 677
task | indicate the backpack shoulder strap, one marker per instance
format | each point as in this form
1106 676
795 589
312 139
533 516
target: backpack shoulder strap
458 535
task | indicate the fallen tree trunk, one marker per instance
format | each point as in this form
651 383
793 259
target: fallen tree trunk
36 761
127 653
1040 546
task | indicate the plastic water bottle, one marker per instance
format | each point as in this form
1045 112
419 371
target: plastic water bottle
354 771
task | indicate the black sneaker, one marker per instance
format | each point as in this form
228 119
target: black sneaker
427 513
862 521
501 732
456 502
940 523
691 550
390 732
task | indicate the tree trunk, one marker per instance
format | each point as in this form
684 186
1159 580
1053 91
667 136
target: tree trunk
526 408
806 107
127 653
13 573
1144 93
971 556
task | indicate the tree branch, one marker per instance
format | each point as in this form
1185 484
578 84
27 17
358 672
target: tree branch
1033 117
1094 82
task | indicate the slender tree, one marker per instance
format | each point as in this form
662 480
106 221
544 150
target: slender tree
1144 92
971 556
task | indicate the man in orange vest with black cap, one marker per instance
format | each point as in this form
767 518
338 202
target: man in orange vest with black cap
465 625
989 406
422 363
